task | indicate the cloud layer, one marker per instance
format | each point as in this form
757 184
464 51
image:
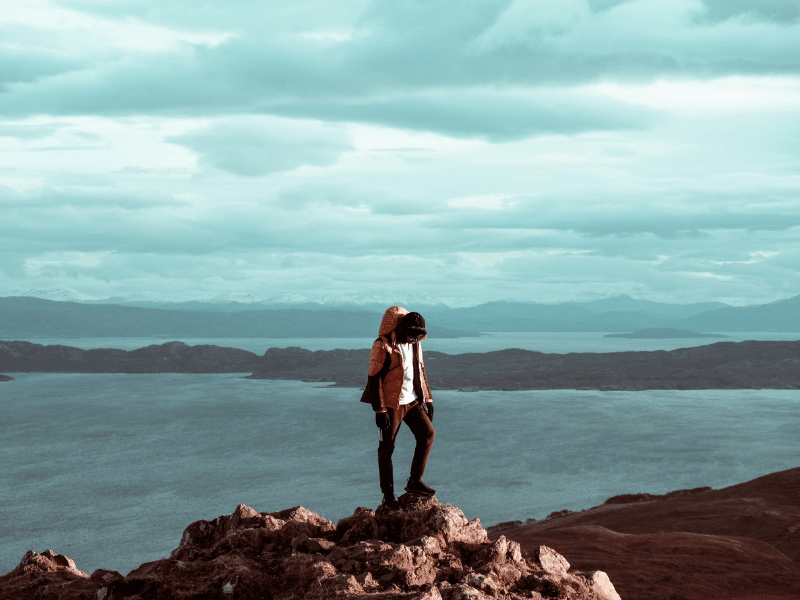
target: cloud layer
518 149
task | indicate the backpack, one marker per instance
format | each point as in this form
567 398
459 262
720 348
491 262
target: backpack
365 396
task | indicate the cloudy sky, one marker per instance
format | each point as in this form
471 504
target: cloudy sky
461 151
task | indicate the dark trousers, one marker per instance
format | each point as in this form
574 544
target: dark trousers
420 425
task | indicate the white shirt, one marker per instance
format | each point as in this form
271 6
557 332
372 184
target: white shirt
407 393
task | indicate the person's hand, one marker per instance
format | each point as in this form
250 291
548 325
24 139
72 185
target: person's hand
382 420
428 407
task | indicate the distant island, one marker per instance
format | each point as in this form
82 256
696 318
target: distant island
172 357
5 378
722 365
663 333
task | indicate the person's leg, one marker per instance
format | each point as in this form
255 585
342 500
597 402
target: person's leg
385 450
420 425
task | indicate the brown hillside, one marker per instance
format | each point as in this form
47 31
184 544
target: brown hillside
740 542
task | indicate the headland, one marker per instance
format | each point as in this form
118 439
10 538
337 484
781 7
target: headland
721 365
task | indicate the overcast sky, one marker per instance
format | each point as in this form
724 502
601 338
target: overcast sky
462 151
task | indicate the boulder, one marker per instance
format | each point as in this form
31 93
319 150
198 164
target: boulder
46 562
48 575
551 561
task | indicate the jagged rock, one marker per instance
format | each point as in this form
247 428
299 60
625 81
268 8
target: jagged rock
362 525
425 551
450 522
106 576
551 561
45 576
414 502
46 562
601 584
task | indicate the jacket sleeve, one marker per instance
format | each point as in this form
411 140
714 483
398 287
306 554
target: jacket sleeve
426 388
374 387
377 358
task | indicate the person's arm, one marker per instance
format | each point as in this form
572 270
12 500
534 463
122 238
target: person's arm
379 361
374 385
427 402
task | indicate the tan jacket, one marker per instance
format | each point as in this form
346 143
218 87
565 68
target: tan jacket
393 382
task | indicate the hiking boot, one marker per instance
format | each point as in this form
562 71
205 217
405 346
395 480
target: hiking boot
417 487
389 501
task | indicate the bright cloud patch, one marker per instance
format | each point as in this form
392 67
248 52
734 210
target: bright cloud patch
82 31
479 202
328 36
727 94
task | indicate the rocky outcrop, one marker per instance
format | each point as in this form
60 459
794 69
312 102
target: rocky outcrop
425 551
46 562
5 378
46 575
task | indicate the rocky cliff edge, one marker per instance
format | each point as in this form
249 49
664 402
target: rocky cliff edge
426 550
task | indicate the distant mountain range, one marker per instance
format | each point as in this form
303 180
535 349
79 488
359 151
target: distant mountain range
26 317
22 317
426 305
622 314
663 334
239 303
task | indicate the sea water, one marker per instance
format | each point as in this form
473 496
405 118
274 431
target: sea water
109 469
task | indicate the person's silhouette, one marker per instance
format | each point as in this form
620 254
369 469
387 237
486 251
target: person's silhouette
398 390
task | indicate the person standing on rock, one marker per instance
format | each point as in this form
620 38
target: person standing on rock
398 390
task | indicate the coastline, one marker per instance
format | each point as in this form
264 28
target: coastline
721 365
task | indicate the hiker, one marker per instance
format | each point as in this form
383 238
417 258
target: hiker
398 390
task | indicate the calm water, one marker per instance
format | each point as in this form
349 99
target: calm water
109 469
542 342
